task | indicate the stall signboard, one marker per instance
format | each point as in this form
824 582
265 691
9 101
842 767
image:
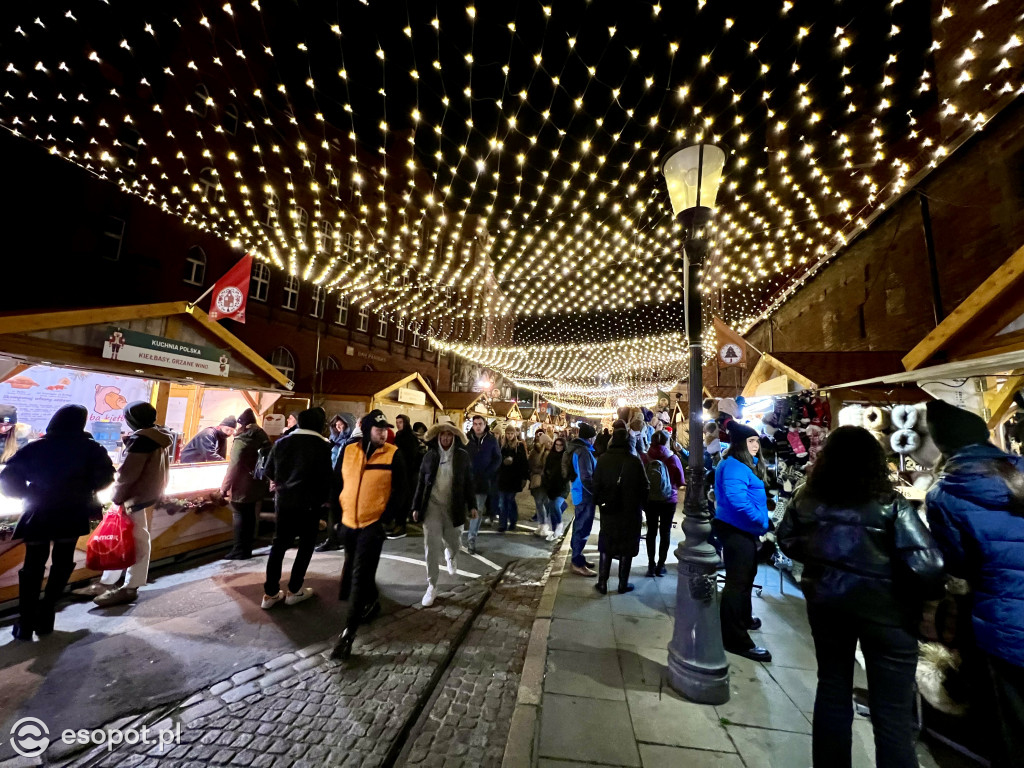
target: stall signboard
412 396
41 390
135 347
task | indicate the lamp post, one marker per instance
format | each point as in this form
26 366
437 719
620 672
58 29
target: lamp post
696 660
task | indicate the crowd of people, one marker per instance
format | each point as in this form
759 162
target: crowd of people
870 560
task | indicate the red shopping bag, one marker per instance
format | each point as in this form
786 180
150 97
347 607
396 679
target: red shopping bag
111 547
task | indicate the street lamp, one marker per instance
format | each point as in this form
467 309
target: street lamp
696 660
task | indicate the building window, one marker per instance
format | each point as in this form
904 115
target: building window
364 319
271 204
200 100
323 236
400 333
319 300
341 317
284 361
347 251
195 266
291 292
301 221
230 119
113 236
382 327
207 181
329 364
415 340
259 285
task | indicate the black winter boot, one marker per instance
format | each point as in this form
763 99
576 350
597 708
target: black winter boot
625 563
56 581
604 570
343 649
652 570
29 587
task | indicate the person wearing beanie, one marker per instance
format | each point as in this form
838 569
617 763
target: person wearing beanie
741 518
13 436
241 488
291 423
620 488
976 514
300 468
578 464
369 500
57 477
209 444
141 480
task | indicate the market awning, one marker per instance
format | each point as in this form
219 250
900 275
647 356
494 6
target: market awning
376 385
172 341
775 372
459 401
507 409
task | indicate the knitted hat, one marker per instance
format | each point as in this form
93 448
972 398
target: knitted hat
246 418
68 420
139 415
636 424
229 421
587 431
740 432
728 405
313 419
954 428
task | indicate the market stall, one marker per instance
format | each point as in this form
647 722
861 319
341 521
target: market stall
359 392
460 407
190 368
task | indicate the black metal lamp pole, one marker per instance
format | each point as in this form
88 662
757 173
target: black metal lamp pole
696 659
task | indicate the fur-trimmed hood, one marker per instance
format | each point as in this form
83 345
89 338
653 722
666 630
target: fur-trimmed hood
437 429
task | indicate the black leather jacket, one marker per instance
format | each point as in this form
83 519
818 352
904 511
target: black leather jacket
876 561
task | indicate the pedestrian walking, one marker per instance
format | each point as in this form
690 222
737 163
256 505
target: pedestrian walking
372 490
665 477
209 444
556 488
601 443
140 484
741 508
620 488
409 446
538 458
578 465
444 496
513 475
485 453
868 563
241 487
976 513
57 477
343 431
300 468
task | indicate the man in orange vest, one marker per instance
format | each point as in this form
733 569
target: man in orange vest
372 486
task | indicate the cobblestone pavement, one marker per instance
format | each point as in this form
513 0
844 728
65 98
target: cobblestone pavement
467 723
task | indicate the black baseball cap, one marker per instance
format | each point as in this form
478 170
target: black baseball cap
376 418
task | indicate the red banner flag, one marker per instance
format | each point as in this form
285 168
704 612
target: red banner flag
231 292
731 348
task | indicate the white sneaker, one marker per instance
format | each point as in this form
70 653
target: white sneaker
449 560
428 597
303 594
559 530
269 602
550 537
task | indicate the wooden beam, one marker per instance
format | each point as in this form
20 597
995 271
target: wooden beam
999 402
794 374
44 321
998 283
761 373
238 346
17 370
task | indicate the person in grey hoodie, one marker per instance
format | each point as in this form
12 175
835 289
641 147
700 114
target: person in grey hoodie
140 484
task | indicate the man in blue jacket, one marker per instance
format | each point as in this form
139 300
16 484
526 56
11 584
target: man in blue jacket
578 463
976 514
486 459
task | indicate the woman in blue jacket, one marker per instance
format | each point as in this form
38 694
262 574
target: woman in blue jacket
976 513
741 518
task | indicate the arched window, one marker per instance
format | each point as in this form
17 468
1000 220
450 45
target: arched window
319 300
195 266
291 292
259 286
284 361
230 119
200 99
329 363
207 181
341 316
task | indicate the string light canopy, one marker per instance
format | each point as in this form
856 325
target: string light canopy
459 168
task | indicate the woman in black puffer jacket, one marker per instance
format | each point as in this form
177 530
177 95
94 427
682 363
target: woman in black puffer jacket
620 488
869 562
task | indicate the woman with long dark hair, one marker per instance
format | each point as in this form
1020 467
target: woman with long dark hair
976 512
741 518
868 562
556 487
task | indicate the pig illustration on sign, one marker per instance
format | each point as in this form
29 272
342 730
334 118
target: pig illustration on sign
109 399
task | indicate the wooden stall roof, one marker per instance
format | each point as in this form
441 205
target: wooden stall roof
988 322
527 412
814 370
16 339
373 384
506 409
459 401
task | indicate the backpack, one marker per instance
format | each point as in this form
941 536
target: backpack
661 484
262 458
